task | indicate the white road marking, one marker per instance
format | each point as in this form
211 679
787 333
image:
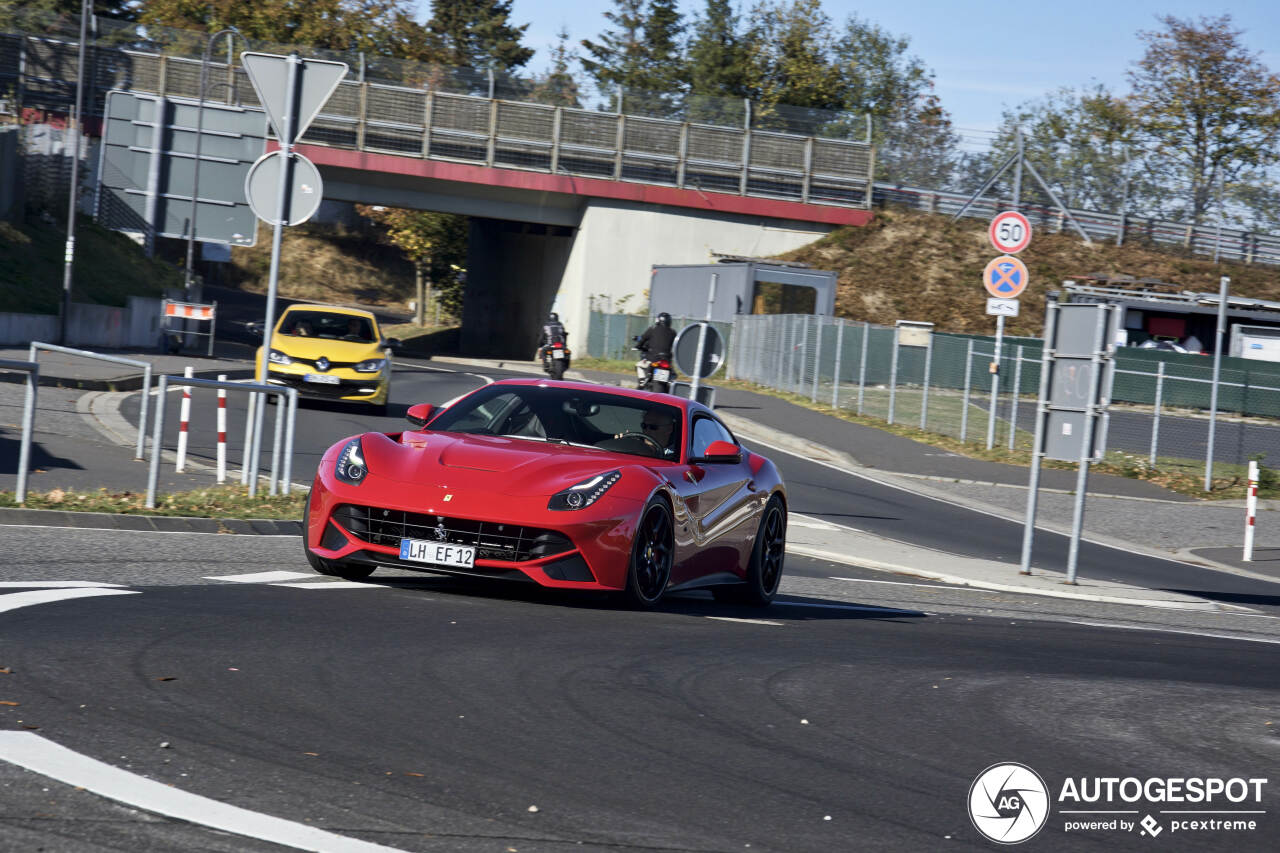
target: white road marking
867 608
14 600
259 577
904 583
57 584
331 585
796 520
1211 634
29 750
748 621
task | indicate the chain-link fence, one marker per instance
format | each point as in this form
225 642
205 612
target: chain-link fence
612 335
1159 418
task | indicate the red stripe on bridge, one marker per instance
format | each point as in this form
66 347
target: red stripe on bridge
571 185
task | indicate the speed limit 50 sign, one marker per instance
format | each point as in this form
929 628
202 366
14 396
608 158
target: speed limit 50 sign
1010 232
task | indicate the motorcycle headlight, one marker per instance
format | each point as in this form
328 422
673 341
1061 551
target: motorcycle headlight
350 467
584 494
277 357
371 365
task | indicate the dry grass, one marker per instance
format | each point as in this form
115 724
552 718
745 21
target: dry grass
213 502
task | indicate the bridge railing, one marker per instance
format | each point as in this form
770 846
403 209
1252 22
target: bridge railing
421 121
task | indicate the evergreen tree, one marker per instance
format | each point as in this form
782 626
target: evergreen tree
717 60
642 54
558 86
477 34
791 78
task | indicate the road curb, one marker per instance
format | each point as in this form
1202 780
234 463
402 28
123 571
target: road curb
120 383
21 516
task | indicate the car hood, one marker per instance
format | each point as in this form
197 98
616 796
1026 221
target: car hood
332 349
509 466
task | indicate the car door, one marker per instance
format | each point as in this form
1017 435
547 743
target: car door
721 503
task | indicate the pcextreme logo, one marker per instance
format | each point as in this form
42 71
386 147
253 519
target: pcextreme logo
1009 803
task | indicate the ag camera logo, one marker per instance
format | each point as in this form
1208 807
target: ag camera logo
1008 803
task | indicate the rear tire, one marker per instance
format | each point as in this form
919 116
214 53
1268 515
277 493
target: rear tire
333 568
651 556
557 369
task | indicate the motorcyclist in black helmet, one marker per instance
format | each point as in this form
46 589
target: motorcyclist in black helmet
552 333
656 341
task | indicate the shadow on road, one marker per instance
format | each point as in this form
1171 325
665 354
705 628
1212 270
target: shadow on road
10 446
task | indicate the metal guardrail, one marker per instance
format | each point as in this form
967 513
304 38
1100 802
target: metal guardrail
421 122
28 420
139 453
1235 244
286 413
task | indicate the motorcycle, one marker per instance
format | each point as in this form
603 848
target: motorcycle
654 375
555 359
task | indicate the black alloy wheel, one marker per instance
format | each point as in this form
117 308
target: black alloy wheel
764 572
651 555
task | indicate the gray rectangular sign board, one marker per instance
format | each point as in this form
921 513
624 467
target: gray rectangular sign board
1077 338
147 172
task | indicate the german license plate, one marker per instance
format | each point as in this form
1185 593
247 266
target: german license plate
660 375
321 378
557 353
438 553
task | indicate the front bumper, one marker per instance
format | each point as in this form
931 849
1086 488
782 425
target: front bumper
352 387
521 540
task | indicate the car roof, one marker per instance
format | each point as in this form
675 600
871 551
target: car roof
655 397
330 309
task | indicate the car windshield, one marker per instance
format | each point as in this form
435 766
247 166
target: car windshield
568 416
326 324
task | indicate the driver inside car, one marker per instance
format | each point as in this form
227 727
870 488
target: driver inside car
659 425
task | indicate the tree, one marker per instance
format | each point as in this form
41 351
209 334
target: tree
436 244
380 27
1080 142
642 55
558 86
717 66
790 78
1208 110
477 34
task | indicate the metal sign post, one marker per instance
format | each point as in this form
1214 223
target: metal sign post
702 339
1224 286
292 91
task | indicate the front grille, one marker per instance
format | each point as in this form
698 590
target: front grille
492 541
344 388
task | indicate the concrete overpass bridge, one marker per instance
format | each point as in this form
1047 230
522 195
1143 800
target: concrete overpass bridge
566 204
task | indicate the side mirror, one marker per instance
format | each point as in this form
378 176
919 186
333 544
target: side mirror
419 414
392 344
720 453
254 328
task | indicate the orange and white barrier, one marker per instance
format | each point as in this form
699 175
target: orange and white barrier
188 310
222 430
1250 510
184 418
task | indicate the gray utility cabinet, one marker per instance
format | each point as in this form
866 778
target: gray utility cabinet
743 287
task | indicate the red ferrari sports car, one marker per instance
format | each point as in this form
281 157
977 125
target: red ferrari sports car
563 484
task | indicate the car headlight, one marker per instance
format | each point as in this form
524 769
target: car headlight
277 357
351 467
584 494
371 365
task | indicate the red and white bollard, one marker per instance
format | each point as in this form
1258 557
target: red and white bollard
184 418
222 430
1250 510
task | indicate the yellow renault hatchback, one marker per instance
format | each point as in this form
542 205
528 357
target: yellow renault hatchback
331 353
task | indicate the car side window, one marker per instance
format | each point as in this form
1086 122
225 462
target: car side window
705 431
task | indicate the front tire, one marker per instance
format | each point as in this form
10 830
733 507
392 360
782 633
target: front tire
764 572
651 555
333 568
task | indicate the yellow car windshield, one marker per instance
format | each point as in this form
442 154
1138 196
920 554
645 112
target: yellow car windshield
323 324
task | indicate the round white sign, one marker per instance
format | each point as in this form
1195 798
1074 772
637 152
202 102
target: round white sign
1010 232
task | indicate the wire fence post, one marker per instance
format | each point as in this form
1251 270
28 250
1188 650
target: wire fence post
968 381
803 322
862 364
835 373
1224 285
1155 421
1017 387
893 376
817 357
924 399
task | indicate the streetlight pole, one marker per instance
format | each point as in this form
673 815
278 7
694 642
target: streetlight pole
229 32
73 199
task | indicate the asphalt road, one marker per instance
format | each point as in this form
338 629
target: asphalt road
429 714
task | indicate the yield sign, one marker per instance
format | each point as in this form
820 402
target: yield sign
269 73
1005 277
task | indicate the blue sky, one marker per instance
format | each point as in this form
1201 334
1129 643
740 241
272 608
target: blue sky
986 56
